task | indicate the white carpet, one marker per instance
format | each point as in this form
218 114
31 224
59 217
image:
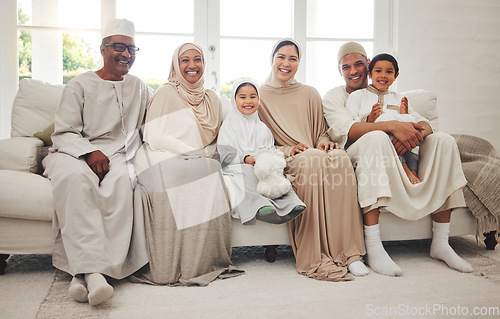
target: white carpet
428 288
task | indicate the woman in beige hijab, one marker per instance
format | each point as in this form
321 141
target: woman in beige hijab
187 213
327 238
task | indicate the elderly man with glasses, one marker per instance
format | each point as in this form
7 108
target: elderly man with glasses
97 230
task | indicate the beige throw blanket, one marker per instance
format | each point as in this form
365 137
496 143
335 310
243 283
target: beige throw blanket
481 166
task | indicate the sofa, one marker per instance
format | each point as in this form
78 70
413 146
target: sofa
26 199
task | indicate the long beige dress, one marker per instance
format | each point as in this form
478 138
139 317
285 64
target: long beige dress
328 236
186 210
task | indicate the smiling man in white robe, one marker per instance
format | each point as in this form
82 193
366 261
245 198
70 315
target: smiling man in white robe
97 230
382 182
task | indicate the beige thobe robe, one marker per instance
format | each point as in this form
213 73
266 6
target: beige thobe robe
95 226
382 182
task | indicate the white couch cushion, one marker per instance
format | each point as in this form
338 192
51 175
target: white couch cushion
34 106
25 196
21 154
425 103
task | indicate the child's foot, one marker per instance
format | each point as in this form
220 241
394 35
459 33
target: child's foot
413 177
98 287
266 210
78 289
358 269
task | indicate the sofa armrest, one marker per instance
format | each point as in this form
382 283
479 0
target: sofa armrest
21 154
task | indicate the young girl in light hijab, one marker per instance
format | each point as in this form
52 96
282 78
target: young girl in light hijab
241 135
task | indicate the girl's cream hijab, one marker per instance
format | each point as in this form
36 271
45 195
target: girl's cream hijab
204 104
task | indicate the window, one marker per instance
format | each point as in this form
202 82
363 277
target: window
54 43
161 26
329 25
247 35
60 39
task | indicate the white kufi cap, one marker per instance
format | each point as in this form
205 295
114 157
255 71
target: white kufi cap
119 27
386 50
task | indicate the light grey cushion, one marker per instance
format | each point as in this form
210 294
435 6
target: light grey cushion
21 154
34 107
25 196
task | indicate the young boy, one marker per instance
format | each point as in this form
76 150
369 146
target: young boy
376 103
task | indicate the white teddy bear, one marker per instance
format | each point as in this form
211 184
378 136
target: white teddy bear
269 165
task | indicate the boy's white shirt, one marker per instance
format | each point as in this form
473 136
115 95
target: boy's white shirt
360 104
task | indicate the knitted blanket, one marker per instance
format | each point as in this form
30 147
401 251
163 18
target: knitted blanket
481 166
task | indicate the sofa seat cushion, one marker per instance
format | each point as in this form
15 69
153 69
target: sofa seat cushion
25 196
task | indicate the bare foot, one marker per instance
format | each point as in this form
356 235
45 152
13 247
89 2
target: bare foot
413 178
412 175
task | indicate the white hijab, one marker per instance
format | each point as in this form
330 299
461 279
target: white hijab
245 133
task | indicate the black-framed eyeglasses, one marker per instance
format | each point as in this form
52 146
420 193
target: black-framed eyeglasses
120 47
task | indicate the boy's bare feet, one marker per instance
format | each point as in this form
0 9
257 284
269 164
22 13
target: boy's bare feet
412 175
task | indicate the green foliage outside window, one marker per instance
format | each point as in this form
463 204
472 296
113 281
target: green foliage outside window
77 55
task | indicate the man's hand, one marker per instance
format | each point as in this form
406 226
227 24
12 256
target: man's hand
407 136
297 149
98 163
327 146
375 113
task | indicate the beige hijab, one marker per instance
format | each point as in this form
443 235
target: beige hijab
271 79
204 104
293 111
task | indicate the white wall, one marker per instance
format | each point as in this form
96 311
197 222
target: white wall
452 47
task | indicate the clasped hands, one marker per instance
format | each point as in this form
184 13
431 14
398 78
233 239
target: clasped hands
407 135
324 146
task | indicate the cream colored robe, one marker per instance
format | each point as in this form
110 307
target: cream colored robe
382 181
95 226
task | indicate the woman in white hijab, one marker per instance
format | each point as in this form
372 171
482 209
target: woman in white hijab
241 135
186 210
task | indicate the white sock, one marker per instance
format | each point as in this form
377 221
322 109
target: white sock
98 287
358 268
441 249
376 256
78 289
